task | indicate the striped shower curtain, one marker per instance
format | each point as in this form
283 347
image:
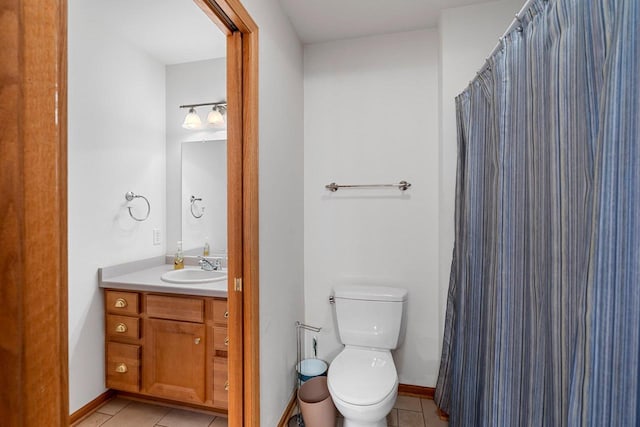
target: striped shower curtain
542 324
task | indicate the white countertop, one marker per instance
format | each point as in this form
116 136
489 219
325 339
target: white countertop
145 276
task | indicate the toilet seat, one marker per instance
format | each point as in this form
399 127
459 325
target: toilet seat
362 377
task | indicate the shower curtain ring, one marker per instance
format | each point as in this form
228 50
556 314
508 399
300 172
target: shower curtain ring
519 27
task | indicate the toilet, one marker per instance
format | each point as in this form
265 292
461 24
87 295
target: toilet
362 379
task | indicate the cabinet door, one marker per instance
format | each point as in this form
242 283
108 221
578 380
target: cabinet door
220 382
174 360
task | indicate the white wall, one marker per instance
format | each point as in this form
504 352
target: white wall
116 144
281 204
188 83
371 116
467 36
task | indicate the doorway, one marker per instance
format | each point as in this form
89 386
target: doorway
34 359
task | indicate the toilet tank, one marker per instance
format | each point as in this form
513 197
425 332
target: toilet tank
370 316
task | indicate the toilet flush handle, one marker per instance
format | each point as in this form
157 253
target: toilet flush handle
332 300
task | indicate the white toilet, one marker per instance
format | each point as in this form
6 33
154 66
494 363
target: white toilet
362 379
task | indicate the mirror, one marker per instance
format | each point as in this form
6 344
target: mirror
204 197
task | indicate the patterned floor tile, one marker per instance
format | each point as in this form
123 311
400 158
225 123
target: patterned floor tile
113 406
182 418
94 420
138 414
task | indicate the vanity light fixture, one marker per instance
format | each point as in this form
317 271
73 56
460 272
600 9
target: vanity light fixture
216 117
192 120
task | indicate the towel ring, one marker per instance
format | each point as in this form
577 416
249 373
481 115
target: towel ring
193 202
130 196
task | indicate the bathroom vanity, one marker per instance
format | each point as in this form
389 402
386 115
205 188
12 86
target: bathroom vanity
165 340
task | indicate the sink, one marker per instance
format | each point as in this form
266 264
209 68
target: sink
189 276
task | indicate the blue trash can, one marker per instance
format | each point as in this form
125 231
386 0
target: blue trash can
309 368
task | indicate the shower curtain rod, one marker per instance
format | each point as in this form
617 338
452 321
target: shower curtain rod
513 26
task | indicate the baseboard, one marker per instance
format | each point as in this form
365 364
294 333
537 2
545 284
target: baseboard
288 412
91 406
443 415
416 391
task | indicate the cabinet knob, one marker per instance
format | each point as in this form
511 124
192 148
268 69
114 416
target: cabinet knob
121 328
226 386
196 341
226 314
226 341
121 368
120 303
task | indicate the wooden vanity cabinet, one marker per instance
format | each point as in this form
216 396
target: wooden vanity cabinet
168 346
219 350
123 340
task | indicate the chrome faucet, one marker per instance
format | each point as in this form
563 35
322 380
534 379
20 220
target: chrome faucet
207 265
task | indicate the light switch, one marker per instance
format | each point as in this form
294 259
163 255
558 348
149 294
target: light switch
157 238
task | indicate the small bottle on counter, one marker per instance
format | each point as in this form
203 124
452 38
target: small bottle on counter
206 250
178 260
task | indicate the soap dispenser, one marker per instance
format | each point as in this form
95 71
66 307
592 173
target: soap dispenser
178 260
206 250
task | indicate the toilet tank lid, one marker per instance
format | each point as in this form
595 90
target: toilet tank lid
370 293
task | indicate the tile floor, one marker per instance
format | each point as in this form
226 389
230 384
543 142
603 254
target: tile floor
414 412
119 412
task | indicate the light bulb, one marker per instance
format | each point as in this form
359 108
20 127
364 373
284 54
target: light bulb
215 118
192 120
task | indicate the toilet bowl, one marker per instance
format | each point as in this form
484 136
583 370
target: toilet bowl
362 379
364 385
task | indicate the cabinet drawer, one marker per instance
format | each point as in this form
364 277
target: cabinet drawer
122 302
220 339
220 383
122 327
220 313
175 308
123 366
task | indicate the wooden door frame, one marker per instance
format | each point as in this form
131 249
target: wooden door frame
33 226
242 146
